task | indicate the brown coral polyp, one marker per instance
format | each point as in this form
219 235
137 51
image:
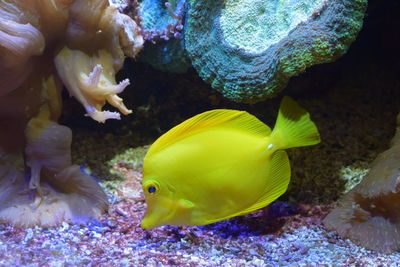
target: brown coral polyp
370 213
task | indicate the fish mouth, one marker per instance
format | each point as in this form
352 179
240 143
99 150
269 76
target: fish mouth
145 224
148 224
151 221
160 216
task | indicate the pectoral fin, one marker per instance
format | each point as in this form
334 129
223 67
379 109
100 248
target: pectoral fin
185 204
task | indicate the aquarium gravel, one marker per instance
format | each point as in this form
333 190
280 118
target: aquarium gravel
282 235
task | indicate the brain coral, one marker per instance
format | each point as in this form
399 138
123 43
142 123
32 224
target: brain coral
248 49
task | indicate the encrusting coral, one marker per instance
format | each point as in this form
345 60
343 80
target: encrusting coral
160 19
370 213
162 25
43 44
249 49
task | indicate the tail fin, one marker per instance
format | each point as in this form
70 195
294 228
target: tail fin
293 127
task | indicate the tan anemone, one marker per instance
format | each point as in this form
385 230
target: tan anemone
43 45
370 213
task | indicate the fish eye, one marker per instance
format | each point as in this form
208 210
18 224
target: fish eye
151 189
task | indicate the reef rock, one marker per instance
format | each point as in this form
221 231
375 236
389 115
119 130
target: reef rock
369 214
249 49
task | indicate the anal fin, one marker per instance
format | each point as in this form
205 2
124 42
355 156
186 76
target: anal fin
278 181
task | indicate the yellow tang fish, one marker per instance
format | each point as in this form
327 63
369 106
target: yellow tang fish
220 164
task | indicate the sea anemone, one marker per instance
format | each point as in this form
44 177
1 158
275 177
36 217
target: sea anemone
42 45
370 213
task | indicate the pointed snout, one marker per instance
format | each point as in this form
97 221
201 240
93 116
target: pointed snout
147 223
153 220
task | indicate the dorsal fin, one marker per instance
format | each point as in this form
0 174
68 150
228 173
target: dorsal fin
221 118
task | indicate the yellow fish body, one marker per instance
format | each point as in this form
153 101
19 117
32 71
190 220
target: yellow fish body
220 164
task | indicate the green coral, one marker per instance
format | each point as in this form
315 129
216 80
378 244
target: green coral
255 25
248 50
